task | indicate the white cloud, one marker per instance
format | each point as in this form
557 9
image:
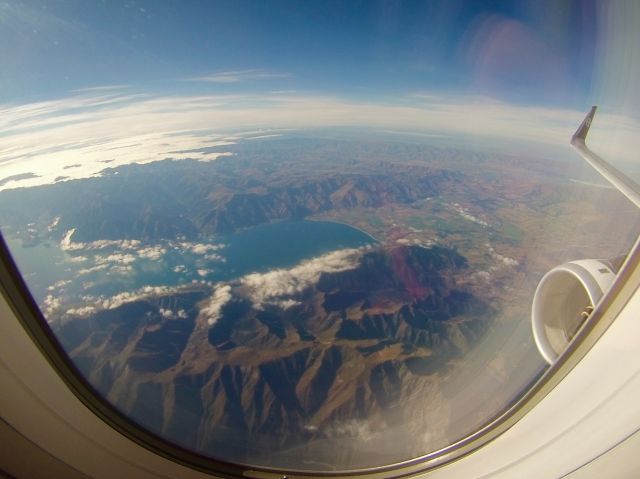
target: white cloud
54 224
153 253
59 284
120 269
262 137
50 304
94 303
76 259
43 138
119 262
81 311
505 260
116 258
92 269
49 139
274 286
287 303
464 213
170 314
199 248
67 244
129 296
238 76
101 88
221 296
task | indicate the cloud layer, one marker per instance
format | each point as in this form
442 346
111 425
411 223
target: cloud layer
100 129
67 244
118 263
276 286
279 286
221 296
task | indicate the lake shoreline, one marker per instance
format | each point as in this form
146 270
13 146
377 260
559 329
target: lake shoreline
344 223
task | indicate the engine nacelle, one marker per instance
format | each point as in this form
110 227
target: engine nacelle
564 298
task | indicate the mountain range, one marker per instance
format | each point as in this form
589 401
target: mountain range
360 353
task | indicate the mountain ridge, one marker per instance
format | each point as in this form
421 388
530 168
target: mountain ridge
188 198
263 379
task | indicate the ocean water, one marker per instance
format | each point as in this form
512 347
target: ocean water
68 278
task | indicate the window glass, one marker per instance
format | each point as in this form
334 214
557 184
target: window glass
308 235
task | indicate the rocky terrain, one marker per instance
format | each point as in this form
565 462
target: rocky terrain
336 374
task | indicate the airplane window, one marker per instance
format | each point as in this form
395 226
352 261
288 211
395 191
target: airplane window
311 236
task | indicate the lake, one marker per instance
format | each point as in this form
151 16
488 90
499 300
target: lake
73 273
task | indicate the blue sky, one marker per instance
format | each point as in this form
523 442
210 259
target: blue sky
518 51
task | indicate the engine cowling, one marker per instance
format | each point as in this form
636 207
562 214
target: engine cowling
564 298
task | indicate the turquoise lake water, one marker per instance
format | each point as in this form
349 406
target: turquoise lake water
70 275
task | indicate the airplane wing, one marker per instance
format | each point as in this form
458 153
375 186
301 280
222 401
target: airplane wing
619 180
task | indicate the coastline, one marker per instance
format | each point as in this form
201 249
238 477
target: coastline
318 220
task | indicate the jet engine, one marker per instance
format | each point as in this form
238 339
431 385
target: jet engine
564 299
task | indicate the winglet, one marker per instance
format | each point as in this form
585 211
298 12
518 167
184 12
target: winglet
619 180
583 129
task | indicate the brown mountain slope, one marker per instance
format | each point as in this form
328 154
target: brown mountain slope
359 355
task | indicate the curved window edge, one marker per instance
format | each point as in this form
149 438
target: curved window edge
18 296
